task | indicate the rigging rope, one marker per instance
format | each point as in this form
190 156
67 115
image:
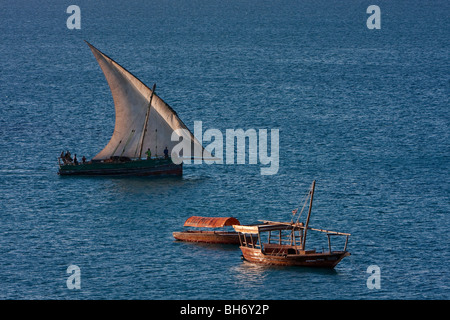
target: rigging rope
305 201
306 197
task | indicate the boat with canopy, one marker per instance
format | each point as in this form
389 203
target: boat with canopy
143 137
284 243
209 236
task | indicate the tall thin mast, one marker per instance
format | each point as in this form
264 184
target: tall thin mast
146 119
309 214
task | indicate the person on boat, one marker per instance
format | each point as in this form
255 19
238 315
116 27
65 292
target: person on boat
83 159
63 157
75 160
148 153
68 157
166 153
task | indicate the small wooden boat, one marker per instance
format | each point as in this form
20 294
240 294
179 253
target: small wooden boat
283 243
209 236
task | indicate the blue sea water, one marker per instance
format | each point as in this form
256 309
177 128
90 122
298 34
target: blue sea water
363 112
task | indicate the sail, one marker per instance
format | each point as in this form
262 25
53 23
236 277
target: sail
139 125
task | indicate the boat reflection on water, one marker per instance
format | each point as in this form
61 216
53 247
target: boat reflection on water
250 275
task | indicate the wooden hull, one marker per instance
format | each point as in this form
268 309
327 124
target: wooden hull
152 167
308 259
208 236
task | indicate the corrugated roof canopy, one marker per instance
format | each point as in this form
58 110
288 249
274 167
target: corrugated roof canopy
210 222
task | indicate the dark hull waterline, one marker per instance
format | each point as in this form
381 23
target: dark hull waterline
154 167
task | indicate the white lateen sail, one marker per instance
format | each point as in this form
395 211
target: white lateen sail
140 124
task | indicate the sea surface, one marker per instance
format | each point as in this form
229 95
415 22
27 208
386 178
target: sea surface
364 112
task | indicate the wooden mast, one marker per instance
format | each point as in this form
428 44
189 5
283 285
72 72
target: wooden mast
146 119
309 214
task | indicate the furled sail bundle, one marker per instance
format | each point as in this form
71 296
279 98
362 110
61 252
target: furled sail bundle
143 120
